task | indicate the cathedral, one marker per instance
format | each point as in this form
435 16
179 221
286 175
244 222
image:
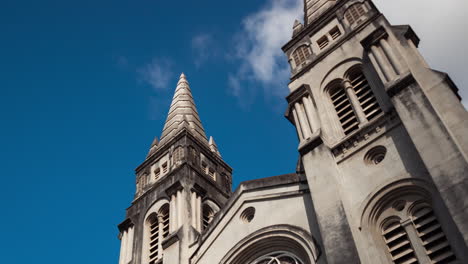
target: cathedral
382 175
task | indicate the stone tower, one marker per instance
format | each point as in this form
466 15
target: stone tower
383 138
181 184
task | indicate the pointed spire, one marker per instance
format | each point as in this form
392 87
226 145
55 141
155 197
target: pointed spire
153 147
213 146
297 27
182 113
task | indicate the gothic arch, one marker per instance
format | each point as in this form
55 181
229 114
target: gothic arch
278 238
338 71
375 202
152 217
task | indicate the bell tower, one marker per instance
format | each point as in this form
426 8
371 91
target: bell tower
180 186
382 137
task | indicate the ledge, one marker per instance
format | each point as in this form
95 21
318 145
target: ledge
171 239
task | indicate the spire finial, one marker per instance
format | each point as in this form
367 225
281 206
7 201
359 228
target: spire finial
182 114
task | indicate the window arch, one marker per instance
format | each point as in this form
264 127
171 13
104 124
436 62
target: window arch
354 13
402 217
300 55
366 98
344 108
156 228
431 235
279 257
397 241
353 100
283 242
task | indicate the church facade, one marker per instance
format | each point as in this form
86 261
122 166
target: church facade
383 169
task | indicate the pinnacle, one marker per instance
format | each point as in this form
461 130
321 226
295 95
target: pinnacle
182 114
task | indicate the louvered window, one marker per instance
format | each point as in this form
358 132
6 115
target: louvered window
178 154
164 212
344 110
211 172
164 168
154 240
354 13
300 55
432 236
207 216
157 172
335 33
323 42
366 97
398 243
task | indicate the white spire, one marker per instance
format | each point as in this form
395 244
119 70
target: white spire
182 113
213 146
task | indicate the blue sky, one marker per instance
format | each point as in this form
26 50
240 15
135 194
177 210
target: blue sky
86 85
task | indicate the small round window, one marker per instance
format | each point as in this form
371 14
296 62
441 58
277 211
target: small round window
375 155
248 214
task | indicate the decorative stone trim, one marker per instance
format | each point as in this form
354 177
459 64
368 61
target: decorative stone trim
198 190
394 88
364 136
314 141
125 225
374 38
170 239
172 190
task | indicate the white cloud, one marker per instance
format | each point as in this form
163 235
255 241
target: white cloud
442 27
258 48
203 48
157 73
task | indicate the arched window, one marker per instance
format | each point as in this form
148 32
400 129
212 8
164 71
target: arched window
354 13
208 215
344 109
279 257
431 235
157 230
415 235
154 240
300 55
398 243
364 94
164 216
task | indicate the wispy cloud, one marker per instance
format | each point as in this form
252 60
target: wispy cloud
204 48
258 48
157 73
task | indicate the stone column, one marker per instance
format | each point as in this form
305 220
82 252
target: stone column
193 202
123 247
391 56
198 213
377 67
128 255
180 208
173 214
383 64
160 234
354 102
298 125
311 113
303 120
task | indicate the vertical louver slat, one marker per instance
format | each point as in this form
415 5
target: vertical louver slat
432 236
165 220
366 97
398 244
154 241
344 110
